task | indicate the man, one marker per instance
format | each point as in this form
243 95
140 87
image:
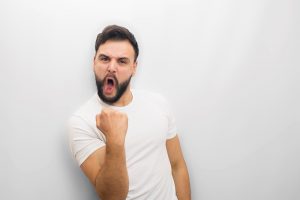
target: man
125 140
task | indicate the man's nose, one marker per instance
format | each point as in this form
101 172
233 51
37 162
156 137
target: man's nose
112 66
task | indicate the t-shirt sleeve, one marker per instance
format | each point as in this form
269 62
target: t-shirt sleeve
83 139
172 128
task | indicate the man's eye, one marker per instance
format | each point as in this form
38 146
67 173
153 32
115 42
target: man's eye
103 58
123 61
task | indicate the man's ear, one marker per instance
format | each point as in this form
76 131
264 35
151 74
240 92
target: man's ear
93 65
134 67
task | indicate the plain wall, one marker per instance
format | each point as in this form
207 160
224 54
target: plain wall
230 69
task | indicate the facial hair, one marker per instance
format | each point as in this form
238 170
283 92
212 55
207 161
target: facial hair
120 89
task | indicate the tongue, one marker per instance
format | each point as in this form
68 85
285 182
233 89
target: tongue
108 88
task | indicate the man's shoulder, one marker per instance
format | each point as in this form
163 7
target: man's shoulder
150 95
89 108
151 98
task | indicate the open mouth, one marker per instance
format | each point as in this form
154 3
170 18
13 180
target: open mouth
110 82
109 85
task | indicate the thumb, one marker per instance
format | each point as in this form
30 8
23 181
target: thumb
98 121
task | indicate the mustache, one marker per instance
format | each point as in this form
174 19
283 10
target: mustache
110 76
100 82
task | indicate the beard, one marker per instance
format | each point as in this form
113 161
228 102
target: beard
120 89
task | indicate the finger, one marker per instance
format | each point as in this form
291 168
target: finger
105 107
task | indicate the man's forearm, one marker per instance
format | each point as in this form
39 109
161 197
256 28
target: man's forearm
182 182
112 179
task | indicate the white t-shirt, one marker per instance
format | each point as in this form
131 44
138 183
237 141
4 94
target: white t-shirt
150 124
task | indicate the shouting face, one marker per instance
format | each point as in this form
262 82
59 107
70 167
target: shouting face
114 65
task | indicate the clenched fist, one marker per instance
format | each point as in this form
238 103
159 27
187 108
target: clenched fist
113 124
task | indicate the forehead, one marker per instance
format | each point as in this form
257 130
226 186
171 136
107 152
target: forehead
117 49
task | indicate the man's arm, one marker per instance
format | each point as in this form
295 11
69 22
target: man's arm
179 169
106 167
106 170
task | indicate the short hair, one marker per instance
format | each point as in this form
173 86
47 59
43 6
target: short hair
117 33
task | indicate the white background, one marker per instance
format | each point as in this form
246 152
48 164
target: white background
230 69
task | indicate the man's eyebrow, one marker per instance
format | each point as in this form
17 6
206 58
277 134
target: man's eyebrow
123 58
103 55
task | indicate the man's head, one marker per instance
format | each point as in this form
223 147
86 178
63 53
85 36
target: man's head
117 33
115 62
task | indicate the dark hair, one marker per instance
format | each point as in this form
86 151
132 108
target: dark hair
115 32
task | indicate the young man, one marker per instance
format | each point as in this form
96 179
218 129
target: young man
125 140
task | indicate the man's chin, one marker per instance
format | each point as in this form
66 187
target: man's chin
109 95
108 98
